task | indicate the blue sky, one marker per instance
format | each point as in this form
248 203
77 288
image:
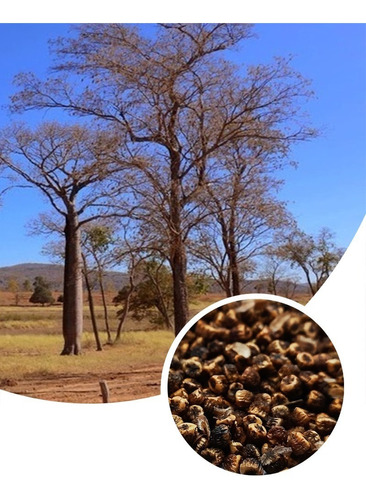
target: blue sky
328 188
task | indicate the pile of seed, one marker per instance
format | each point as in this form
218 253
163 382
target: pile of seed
255 387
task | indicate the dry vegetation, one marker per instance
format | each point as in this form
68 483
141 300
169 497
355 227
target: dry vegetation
31 365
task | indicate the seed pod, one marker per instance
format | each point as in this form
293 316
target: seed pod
178 405
212 367
243 398
232 462
275 459
320 360
251 466
315 400
300 416
241 333
256 432
201 443
264 337
305 360
192 367
277 435
324 423
291 385
298 443
250 377
213 455
218 384
228 420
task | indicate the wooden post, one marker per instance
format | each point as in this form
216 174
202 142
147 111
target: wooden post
105 391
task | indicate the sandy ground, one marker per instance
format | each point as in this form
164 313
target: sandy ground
136 382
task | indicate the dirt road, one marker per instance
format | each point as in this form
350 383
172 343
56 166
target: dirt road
134 383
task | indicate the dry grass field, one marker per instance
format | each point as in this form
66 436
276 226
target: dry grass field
31 365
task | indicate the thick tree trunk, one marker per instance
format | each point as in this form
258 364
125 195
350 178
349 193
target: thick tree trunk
178 260
72 321
91 306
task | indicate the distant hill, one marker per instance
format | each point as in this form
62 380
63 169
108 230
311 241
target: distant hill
53 273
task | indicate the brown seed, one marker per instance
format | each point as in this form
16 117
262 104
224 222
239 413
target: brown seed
324 423
243 398
333 366
277 435
178 405
300 416
218 384
281 411
251 466
315 400
196 397
261 405
250 419
232 462
264 364
299 444
214 455
291 385
278 346
308 378
256 432
250 377
335 407
188 431
314 439
304 360
275 459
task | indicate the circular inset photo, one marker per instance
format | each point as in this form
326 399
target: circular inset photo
255 386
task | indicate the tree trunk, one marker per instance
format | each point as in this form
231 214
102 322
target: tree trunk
72 320
91 306
178 260
126 308
105 308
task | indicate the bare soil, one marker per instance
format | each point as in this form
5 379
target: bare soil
136 382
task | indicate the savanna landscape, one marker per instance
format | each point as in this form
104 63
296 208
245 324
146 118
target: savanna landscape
154 153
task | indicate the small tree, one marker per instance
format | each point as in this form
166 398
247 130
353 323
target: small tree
316 256
13 287
152 296
42 293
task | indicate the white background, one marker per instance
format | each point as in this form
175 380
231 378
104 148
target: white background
133 449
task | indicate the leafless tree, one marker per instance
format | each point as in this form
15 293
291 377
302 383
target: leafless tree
177 102
243 213
72 167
